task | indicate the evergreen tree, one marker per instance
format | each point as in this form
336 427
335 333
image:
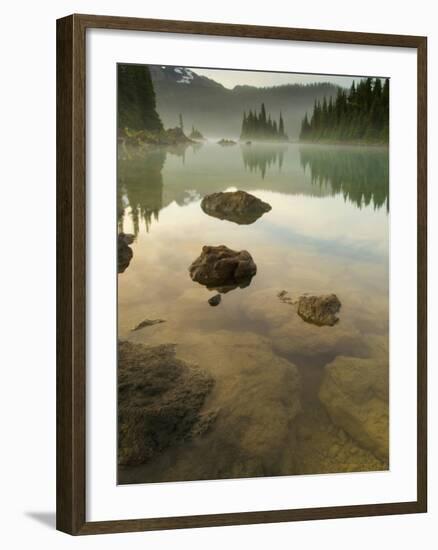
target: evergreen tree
136 99
281 126
261 126
263 114
362 114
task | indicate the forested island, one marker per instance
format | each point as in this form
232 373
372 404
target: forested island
358 115
260 126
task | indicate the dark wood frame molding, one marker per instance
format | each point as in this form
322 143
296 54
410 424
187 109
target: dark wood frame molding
71 266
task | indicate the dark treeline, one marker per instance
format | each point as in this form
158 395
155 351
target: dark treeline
360 114
360 176
261 126
136 99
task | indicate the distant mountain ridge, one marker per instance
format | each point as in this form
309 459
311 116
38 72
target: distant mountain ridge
217 111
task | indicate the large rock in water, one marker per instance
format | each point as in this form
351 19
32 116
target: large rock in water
219 267
355 393
159 401
319 310
237 206
124 251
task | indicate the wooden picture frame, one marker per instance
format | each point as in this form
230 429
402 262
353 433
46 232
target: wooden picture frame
71 272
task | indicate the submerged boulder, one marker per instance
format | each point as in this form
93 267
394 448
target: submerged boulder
223 269
355 393
159 401
319 310
124 251
235 206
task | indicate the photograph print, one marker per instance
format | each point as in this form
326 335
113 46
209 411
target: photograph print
253 274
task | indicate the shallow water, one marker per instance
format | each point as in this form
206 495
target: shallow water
327 232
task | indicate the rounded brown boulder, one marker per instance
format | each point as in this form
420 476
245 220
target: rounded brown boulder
235 206
219 267
319 310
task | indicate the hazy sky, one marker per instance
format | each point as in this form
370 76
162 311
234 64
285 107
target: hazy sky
230 78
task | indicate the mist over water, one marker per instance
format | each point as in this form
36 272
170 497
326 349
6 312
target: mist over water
327 232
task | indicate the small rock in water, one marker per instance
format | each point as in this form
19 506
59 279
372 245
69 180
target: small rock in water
319 310
284 297
148 323
215 300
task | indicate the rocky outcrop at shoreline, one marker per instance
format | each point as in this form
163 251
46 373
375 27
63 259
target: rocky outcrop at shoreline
169 137
160 399
223 269
235 206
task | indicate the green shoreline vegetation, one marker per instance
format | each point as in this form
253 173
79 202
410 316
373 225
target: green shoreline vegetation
359 116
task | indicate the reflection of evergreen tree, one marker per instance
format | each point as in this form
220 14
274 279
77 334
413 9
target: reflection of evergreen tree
261 126
361 114
136 99
362 177
140 185
255 159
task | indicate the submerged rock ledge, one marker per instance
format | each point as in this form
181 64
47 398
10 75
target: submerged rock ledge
159 401
355 393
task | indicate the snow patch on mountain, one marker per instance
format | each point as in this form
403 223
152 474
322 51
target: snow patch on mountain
185 74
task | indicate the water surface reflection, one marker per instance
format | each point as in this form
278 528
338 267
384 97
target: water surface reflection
327 233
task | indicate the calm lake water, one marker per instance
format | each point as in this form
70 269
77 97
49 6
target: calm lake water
327 232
